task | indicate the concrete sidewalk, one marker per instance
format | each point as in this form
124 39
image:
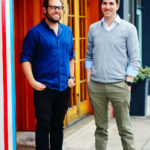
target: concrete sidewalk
83 138
80 136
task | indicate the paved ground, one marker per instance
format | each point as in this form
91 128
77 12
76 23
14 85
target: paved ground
80 136
83 139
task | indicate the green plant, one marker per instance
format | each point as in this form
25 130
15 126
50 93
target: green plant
143 74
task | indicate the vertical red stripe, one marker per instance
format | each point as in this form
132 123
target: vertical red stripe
4 56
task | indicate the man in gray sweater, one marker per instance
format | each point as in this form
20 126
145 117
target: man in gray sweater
112 61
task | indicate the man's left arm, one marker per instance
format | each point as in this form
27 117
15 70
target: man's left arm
71 79
133 55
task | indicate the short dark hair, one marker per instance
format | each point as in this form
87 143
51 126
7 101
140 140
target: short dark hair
45 3
117 1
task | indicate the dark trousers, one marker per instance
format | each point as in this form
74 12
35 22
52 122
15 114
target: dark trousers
50 109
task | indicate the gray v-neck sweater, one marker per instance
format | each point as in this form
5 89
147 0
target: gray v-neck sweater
115 53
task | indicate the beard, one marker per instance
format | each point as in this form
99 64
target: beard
51 19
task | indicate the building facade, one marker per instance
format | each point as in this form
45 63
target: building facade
16 18
16 95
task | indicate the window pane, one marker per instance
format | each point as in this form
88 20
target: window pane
70 7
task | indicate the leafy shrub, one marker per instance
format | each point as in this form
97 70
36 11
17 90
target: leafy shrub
143 74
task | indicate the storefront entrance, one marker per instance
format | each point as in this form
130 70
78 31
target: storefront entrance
27 14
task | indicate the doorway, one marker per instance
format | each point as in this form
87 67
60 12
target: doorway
27 14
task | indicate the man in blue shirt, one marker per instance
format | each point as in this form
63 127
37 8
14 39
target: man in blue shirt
112 61
49 48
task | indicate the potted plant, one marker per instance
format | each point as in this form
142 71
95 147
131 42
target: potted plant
139 92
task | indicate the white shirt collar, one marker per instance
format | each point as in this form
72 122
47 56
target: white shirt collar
117 19
113 25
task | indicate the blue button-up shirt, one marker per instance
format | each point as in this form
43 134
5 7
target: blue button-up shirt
49 54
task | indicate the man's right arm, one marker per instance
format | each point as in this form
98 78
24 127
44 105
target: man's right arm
29 44
89 56
26 66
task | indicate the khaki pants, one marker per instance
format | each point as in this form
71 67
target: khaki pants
119 95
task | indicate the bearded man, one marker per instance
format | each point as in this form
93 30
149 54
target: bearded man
49 48
112 62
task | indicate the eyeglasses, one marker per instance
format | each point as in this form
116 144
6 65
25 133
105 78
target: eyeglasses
52 7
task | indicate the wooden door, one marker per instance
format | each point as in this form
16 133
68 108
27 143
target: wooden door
76 17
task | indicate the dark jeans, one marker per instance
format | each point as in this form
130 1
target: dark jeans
50 109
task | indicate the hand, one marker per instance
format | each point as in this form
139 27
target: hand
71 83
129 87
88 79
38 86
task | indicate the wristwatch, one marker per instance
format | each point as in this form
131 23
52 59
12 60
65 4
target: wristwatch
71 77
128 83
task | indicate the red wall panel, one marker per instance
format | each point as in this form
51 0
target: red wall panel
27 13
94 11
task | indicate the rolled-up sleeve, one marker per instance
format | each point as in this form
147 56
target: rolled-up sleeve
28 48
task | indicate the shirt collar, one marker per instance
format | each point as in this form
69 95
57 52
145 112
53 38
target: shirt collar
59 29
117 20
